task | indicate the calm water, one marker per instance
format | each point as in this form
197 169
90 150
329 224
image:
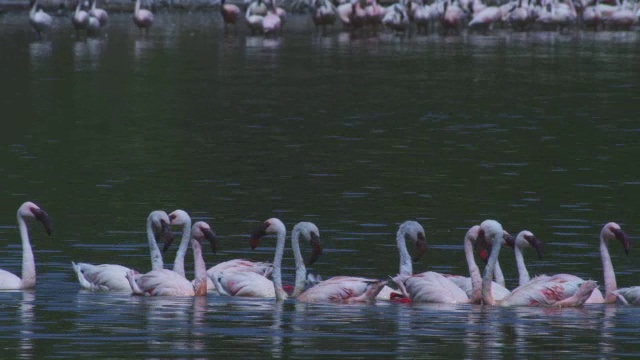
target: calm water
537 130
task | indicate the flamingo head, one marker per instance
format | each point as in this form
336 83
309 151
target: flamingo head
613 231
179 218
33 211
201 231
526 238
271 226
413 232
160 225
489 235
316 249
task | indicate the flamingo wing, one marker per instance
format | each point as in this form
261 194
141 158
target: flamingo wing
431 287
103 277
557 290
628 295
163 283
244 283
344 289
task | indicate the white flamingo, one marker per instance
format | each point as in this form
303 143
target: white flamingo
9 281
112 277
272 22
166 282
252 284
143 18
230 13
39 20
80 19
433 287
324 13
524 239
256 11
555 290
100 14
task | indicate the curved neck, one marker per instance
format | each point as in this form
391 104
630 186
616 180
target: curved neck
78 7
34 7
200 269
178 263
487 279
277 266
93 6
137 8
474 271
154 251
523 274
609 275
28 262
406 268
498 276
301 270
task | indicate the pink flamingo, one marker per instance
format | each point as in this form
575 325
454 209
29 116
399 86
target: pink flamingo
112 277
230 13
165 282
99 14
324 13
252 284
39 20
433 287
556 290
80 19
272 22
143 18
9 281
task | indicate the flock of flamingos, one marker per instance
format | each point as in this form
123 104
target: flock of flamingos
240 277
264 16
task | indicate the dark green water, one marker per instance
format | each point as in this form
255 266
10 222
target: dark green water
538 130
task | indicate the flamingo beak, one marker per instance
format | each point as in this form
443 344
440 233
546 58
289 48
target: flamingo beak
509 240
257 234
316 250
210 235
421 247
622 237
536 244
44 218
166 235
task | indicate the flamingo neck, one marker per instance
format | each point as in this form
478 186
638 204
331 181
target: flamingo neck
489 271
28 261
137 7
154 251
609 275
406 268
523 274
277 266
474 271
78 7
34 8
498 276
93 6
178 263
200 269
301 270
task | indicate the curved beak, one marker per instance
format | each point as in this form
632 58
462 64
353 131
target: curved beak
421 247
509 240
210 235
624 240
257 234
44 218
536 244
166 235
316 250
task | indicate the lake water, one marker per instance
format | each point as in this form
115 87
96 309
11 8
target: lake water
537 130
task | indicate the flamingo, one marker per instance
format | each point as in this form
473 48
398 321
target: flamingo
433 287
524 239
230 13
112 277
485 18
80 19
165 282
233 282
324 13
414 232
39 20
99 14
272 22
255 14
396 18
143 18
9 281
555 290
93 27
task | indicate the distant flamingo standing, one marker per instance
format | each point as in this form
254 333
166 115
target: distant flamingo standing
112 277
235 282
80 19
39 20
324 13
99 14
230 13
272 22
256 11
9 281
166 282
555 291
143 18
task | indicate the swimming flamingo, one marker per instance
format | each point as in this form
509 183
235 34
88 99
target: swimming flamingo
324 13
414 232
143 18
272 22
80 19
256 11
556 291
433 287
251 284
9 281
112 277
524 239
40 20
165 282
230 13
99 14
